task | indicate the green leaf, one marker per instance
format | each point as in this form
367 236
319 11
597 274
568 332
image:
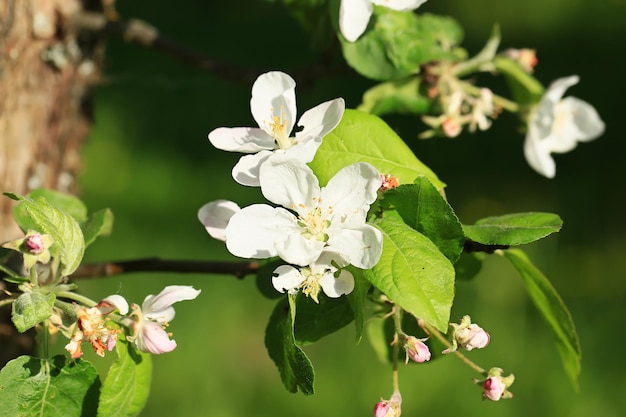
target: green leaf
526 89
468 265
31 387
31 308
413 273
422 207
397 43
295 368
362 137
69 243
513 229
315 321
396 96
553 310
99 224
127 385
357 299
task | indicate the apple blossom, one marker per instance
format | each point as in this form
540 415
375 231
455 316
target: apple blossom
91 325
556 125
354 15
149 322
321 274
215 216
273 106
330 218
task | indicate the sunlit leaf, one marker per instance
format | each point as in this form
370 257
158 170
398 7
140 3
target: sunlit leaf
31 308
513 229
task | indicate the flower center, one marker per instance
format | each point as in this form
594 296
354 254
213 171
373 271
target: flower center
310 286
314 225
278 125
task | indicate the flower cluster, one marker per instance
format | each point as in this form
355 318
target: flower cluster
316 230
147 323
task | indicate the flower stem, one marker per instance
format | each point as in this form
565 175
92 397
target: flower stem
6 301
499 101
397 320
432 331
77 297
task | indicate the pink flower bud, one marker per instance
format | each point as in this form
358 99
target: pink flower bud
389 408
416 349
381 409
493 388
472 336
451 127
35 243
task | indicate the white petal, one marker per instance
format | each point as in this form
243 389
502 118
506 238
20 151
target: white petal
246 170
256 229
286 278
153 339
327 261
320 120
538 155
354 15
336 287
362 246
215 216
241 139
290 183
303 151
299 251
170 295
400 5
273 94
161 316
584 118
113 302
558 87
353 187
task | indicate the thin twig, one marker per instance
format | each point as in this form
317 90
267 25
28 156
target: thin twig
144 34
109 269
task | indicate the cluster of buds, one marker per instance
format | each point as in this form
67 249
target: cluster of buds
459 109
390 407
468 336
526 58
496 386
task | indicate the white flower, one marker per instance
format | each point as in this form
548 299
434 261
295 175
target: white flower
354 15
557 124
215 216
331 218
273 106
153 317
322 274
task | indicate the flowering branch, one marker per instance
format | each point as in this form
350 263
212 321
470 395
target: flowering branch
108 269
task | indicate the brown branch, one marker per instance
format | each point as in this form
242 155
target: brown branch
108 269
142 33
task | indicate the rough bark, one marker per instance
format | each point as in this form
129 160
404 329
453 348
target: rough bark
47 70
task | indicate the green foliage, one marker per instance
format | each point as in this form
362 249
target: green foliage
526 89
315 321
32 387
69 244
98 224
396 96
513 229
413 273
127 385
552 309
357 299
32 308
362 137
397 43
422 207
295 368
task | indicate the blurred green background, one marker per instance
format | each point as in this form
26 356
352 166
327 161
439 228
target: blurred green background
148 159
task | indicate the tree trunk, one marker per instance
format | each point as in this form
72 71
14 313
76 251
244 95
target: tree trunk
47 70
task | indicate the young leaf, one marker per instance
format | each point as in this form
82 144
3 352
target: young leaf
31 308
397 43
513 229
48 388
99 224
295 368
69 243
553 310
396 96
362 137
413 273
422 207
357 300
127 385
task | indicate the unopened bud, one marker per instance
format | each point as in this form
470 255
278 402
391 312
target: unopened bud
416 350
496 386
388 182
526 58
35 243
468 335
451 127
389 408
